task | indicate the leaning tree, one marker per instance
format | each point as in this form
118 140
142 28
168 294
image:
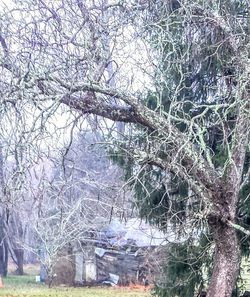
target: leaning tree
66 53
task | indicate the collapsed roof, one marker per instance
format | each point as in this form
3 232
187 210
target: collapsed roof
135 232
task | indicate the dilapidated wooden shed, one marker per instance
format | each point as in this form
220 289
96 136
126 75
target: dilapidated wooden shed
122 253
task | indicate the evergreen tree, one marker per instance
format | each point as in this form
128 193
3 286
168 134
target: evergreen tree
194 77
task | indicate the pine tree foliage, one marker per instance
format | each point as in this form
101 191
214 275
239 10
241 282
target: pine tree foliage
186 268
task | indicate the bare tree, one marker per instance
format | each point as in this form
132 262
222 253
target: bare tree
54 54
68 199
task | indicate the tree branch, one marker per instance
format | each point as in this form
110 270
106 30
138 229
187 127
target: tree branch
136 112
88 105
239 228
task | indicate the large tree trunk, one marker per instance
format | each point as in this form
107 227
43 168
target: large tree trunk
226 264
226 261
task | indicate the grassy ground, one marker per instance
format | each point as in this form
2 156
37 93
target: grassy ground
25 286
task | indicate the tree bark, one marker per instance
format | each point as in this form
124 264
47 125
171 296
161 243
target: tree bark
3 257
3 239
19 257
226 261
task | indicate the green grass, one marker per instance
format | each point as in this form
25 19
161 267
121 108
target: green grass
25 286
